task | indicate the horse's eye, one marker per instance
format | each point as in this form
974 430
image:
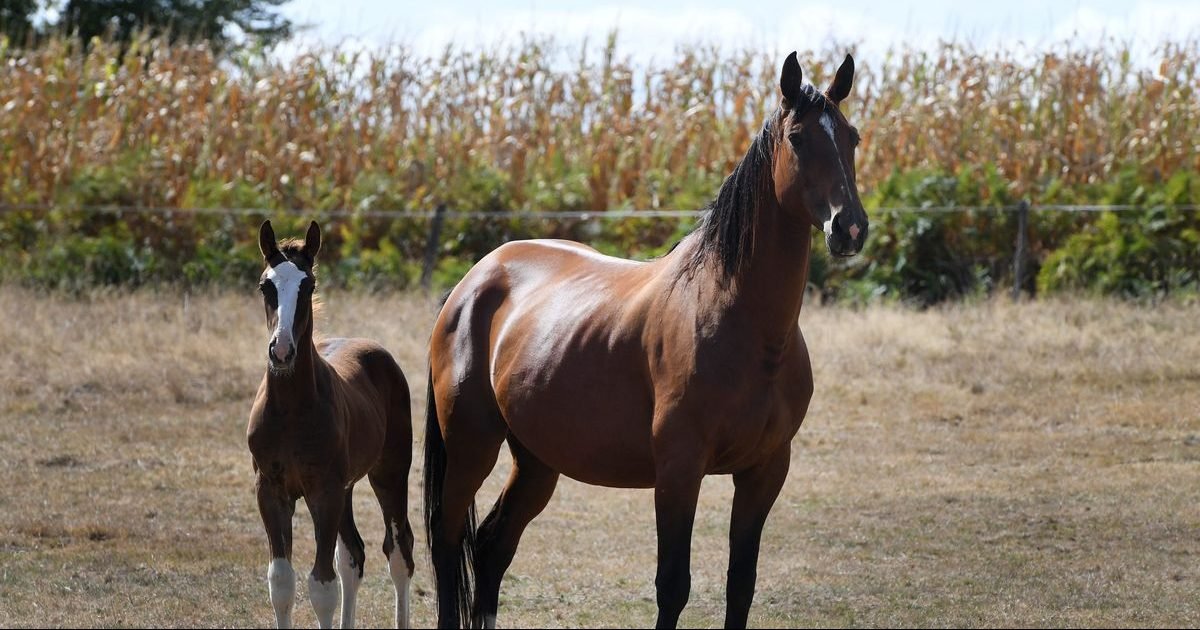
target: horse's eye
794 138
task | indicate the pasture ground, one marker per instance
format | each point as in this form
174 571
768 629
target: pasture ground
985 464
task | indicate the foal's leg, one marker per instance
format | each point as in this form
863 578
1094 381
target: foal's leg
390 481
530 486
755 491
351 558
325 505
276 510
679 472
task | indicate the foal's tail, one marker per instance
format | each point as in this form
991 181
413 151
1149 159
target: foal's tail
435 477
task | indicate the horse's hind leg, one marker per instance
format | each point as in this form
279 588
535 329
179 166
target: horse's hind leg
455 469
390 481
530 486
351 558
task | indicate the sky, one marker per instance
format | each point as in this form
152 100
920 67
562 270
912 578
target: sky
652 30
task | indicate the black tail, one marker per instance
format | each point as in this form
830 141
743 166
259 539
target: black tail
435 477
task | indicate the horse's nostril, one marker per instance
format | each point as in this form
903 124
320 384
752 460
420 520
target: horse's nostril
280 352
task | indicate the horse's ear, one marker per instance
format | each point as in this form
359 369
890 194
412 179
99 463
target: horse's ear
266 240
790 81
312 240
842 81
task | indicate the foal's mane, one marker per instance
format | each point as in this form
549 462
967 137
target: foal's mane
293 250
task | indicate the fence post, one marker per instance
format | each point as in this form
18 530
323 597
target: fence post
1019 258
431 246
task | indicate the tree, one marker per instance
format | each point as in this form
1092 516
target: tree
220 22
16 19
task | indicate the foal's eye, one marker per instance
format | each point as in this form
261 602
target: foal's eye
794 138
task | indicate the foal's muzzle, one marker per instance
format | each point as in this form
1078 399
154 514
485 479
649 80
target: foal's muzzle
281 353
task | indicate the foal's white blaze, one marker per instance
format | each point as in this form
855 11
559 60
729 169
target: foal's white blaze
281 580
324 598
351 577
400 577
286 277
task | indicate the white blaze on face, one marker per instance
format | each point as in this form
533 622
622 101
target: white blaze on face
827 124
833 212
286 277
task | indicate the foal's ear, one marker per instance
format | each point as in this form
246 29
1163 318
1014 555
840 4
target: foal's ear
840 88
266 241
312 240
790 81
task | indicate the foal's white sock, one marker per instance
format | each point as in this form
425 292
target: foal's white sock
281 582
400 577
350 578
324 598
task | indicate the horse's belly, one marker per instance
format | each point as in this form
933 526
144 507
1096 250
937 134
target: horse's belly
595 431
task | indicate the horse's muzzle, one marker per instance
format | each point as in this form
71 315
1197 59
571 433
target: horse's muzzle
281 354
847 241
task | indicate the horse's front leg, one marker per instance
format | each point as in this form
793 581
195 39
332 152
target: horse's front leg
755 491
679 472
325 505
276 509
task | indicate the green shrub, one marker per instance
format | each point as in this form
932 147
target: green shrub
1149 251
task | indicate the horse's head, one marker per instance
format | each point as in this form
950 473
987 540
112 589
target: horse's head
287 286
814 163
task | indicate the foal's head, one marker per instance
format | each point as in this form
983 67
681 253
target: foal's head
287 286
814 162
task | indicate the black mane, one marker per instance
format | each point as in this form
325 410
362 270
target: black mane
813 98
727 228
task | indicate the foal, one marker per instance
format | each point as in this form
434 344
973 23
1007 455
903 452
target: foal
326 414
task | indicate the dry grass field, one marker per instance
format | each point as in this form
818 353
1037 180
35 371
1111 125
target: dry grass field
982 464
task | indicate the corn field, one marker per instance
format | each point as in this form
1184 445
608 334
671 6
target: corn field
538 124
548 127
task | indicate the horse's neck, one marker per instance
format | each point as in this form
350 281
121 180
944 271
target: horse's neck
771 285
768 290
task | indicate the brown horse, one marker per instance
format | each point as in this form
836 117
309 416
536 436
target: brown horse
326 414
641 374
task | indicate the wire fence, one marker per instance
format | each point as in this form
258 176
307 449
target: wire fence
439 215
580 215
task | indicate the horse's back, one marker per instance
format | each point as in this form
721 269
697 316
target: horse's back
549 334
361 361
372 396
